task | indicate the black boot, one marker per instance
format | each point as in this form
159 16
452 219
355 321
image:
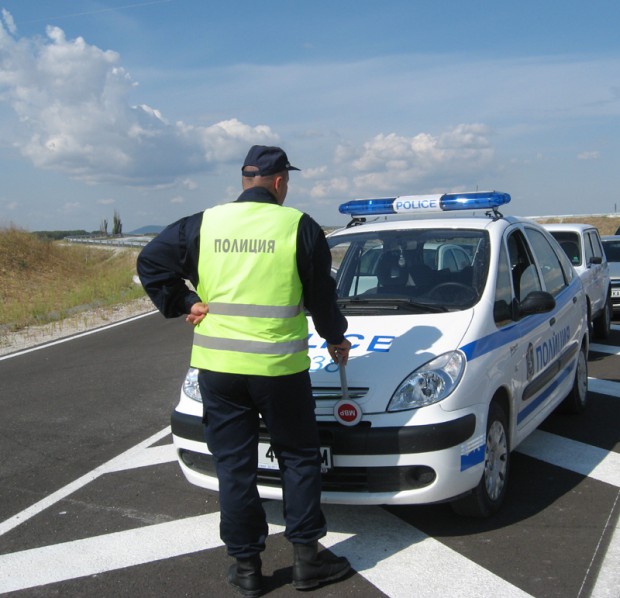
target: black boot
311 569
246 576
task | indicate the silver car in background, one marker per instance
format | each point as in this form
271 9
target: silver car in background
582 245
611 246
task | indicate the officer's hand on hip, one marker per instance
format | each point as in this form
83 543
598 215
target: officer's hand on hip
340 352
197 313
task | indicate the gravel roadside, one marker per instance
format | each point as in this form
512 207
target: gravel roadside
11 342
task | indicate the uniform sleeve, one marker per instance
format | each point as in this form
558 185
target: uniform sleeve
314 263
167 262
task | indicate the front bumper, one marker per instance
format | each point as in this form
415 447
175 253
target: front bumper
371 465
615 290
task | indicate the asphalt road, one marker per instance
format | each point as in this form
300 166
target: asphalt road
93 504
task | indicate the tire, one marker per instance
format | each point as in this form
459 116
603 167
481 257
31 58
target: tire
577 398
487 497
601 325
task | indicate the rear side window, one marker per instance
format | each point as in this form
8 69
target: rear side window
549 262
571 245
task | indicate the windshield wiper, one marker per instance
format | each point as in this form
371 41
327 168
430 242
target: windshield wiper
390 304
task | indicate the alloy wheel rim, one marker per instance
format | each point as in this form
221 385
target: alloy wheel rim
496 461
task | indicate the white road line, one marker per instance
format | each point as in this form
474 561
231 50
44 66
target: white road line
585 459
391 555
74 336
51 564
396 558
604 387
609 349
116 464
608 580
156 455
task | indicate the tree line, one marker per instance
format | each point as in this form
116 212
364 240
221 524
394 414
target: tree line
56 235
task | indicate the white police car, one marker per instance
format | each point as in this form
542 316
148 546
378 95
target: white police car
466 334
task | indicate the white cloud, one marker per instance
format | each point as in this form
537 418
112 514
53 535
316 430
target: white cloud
334 187
229 139
177 200
72 100
313 173
589 156
9 22
106 202
392 162
189 184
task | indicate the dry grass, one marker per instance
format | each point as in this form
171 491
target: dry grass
45 281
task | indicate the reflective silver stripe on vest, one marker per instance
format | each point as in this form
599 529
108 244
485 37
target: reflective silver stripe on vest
254 311
247 346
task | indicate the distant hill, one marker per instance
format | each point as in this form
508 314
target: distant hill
147 230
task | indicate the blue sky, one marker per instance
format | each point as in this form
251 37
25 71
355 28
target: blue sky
147 108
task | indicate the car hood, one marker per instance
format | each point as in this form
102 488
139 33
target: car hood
385 350
614 269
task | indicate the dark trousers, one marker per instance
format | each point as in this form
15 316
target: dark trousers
232 404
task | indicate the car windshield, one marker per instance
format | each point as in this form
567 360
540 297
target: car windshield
417 270
612 250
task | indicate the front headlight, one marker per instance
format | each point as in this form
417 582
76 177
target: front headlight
429 384
190 385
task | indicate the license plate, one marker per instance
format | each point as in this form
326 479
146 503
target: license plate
267 457
615 293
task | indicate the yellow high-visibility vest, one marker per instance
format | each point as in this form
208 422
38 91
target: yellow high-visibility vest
247 271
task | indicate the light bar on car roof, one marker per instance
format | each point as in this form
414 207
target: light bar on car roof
416 204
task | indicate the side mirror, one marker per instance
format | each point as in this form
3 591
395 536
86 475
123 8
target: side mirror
596 259
536 302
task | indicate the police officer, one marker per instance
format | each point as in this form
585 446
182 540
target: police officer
255 265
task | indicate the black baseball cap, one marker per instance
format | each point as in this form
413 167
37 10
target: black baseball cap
268 159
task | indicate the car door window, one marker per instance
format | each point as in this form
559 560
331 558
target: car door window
549 262
587 241
524 274
597 250
502 307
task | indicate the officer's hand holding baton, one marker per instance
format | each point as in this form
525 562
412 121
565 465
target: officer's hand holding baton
340 352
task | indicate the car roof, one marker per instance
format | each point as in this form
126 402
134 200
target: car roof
471 223
574 227
610 238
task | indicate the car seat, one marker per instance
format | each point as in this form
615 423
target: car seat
392 272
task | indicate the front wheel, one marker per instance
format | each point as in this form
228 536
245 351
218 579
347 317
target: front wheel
577 398
487 497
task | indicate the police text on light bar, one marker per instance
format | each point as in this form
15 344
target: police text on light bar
408 204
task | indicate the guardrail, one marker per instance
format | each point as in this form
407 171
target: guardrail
112 241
